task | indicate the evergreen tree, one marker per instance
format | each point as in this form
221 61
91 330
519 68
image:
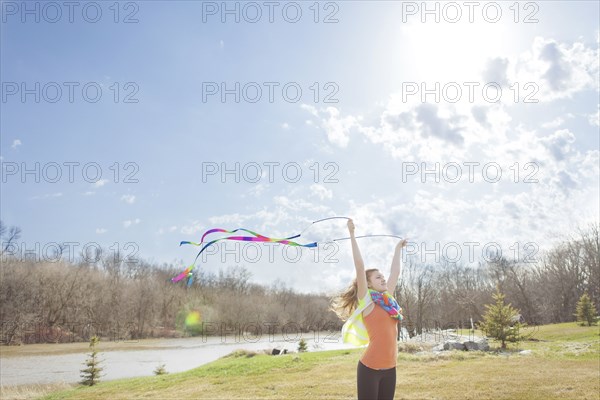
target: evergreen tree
160 370
501 321
302 346
91 373
585 311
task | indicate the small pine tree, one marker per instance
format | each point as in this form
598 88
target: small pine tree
91 373
499 321
160 370
302 346
585 310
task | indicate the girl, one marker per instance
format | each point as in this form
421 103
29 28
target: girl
373 318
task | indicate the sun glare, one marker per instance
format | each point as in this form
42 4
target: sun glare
452 51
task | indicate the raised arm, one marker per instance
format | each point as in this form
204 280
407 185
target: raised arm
359 265
396 269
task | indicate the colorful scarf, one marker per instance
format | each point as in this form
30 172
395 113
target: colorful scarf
388 303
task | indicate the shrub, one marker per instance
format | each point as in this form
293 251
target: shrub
160 370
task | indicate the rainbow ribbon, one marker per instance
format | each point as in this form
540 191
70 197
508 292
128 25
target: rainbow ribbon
255 238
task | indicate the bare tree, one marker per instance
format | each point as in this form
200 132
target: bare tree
13 234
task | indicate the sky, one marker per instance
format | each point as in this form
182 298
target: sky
137 125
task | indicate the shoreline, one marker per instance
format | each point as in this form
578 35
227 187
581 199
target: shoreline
55 349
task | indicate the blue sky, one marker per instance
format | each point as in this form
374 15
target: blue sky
366 61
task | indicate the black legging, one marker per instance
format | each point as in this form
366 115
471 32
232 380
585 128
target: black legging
374 384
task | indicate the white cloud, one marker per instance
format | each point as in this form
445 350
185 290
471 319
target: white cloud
285 126
496 70
128 198
559 144
101 231
551 162
310 109
192 229
47 196
89 193
411 130
16 143
432 124
170 229
320 191
555 123
558 70
128 223
100 182
296 203
257 189
227 219
338 128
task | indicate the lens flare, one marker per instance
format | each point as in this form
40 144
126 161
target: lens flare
193 319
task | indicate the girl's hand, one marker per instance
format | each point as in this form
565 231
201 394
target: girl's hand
401 244
351 227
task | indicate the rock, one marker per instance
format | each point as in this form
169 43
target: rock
453 345
439 347
483 345
480 344
525 352
471 346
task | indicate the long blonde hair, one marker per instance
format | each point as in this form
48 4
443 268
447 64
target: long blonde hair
345 303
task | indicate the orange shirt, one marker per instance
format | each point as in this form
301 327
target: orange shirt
382 351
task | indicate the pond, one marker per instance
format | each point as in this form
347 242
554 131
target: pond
140 358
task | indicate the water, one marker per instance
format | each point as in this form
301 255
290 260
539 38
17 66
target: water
177 355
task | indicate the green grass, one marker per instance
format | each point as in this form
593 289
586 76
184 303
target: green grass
568 331
564 364
566 341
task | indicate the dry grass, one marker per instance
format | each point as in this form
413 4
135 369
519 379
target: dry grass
27 392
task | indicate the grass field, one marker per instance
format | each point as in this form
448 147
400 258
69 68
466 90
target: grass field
564 363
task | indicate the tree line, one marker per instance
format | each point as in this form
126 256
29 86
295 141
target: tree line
450 295
119 299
